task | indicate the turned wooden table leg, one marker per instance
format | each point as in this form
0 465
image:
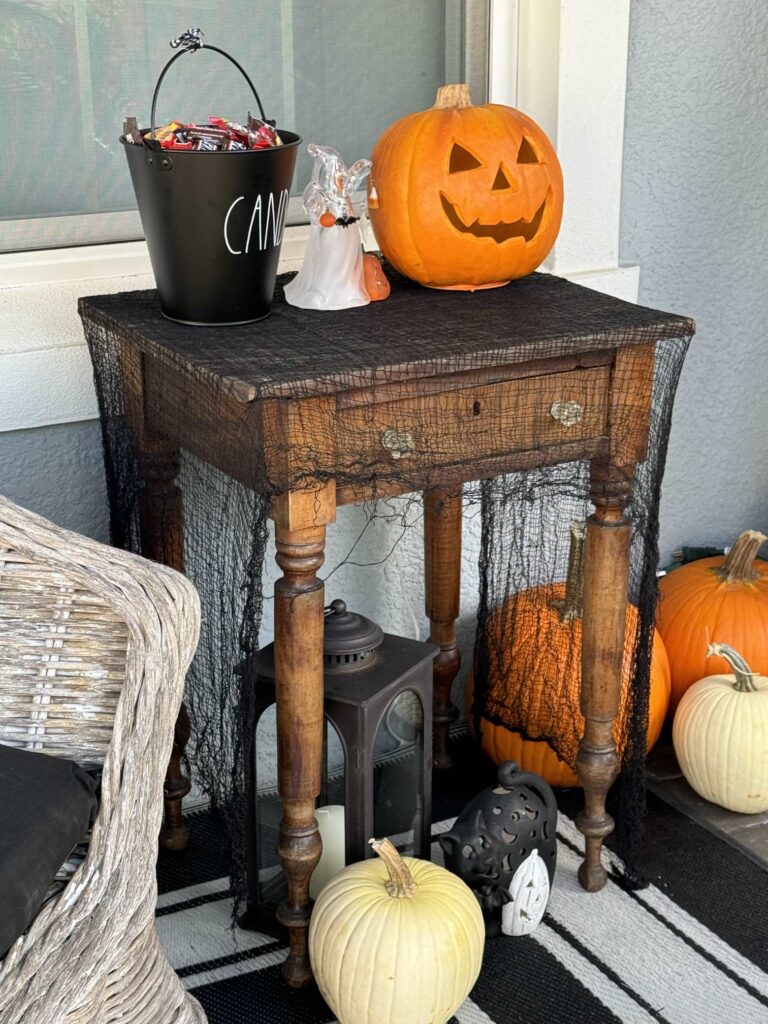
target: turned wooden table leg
299 622
606 566
160 521
160 511
442 569
174 834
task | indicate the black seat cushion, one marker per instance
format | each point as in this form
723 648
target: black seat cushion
46 806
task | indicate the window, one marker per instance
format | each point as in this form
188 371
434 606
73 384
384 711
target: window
337 72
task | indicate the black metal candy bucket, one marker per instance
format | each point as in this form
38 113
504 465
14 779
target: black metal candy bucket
213 221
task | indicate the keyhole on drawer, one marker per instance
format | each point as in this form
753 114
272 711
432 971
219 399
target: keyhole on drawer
476 407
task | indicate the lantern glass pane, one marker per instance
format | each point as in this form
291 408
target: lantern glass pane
272 887
398 772
335 770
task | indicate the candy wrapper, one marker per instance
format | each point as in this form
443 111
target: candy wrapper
131 131
219 135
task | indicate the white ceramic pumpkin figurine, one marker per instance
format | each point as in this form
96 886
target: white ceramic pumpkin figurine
395 941
528 897
720 735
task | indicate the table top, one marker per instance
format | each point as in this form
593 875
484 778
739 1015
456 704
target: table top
416 332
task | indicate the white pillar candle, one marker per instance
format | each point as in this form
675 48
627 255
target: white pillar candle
330 821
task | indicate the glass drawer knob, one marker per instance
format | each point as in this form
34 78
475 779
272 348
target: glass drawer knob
399 443
567 413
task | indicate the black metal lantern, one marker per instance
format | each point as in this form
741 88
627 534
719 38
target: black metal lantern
377 755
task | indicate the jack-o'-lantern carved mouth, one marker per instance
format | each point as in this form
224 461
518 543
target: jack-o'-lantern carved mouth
499 232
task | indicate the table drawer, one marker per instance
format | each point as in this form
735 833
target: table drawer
474 422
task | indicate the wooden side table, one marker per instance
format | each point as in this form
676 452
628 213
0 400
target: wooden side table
342 407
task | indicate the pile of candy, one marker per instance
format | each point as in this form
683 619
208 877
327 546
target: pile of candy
219 135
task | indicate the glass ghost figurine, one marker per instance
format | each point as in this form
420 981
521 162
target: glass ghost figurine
332 274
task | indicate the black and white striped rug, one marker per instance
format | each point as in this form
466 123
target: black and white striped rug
692 948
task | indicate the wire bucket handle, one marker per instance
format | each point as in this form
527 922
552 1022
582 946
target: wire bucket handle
188 42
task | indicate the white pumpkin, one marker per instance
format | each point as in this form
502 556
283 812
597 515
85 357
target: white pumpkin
529 895
395 941
720 736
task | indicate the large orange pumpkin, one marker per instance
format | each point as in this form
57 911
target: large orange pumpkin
465 197
544 666
723 598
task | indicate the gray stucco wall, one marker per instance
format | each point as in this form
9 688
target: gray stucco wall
57 472
695 217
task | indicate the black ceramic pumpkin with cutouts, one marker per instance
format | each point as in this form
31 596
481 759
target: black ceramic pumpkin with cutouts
504 846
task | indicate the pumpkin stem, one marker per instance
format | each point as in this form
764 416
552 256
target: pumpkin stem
572 604
745 677
738 566
453 96
401 885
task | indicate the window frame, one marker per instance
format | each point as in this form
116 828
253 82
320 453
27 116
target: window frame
99 229
565 64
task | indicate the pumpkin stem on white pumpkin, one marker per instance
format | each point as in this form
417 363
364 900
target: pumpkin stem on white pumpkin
745 677
453 96
739 563
401 885
571 606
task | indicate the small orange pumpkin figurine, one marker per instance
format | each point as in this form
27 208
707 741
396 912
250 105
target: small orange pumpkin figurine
465 197
376 282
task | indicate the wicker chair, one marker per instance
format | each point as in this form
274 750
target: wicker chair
94 646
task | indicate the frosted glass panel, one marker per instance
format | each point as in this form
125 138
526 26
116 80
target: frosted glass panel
398 778
337 72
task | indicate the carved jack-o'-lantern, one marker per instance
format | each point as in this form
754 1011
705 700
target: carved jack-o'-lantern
465 197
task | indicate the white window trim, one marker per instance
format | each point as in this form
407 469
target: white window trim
102 262
562 61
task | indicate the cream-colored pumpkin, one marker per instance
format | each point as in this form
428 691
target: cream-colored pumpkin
395 941
720 735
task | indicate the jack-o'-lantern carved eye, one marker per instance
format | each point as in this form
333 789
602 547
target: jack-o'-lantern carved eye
462 160
526 153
